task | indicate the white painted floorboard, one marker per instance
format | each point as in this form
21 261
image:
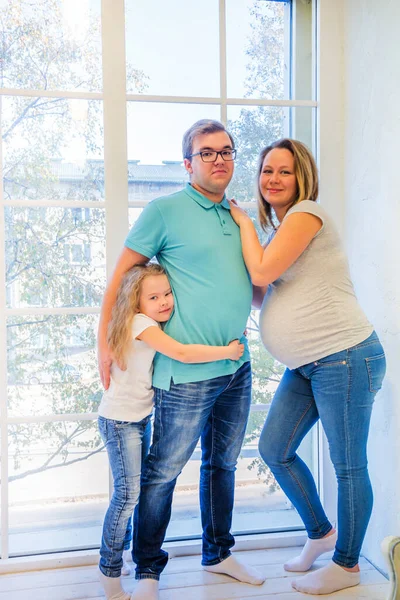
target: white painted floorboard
184 579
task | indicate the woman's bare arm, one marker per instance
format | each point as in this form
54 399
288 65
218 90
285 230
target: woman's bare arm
290 241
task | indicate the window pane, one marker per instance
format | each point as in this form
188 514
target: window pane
253 128
155 130
51 45
52 149
58 486
146 182
134 215
260 504
181 56
54 256
257 49
52 365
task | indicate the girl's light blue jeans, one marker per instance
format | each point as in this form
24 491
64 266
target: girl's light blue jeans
340 390
127 445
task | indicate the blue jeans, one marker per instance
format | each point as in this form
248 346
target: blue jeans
127 444
338 389
215 410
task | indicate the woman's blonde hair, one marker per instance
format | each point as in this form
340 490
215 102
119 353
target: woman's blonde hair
119 334
305 171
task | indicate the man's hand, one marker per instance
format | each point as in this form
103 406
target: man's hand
105 361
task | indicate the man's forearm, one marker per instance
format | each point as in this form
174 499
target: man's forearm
126 261
109 299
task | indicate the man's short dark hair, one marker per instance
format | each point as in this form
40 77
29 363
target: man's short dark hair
199 128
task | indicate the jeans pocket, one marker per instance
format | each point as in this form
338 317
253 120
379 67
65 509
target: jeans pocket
376 367
339 358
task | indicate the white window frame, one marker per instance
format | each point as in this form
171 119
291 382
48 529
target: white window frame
116 203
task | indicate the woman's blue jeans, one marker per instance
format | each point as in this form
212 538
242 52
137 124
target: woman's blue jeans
340 390
127 444
215 410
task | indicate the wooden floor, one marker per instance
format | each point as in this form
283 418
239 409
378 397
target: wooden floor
183 579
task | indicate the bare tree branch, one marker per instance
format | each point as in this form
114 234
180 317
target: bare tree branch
46 468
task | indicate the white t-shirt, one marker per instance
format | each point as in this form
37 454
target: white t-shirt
130 395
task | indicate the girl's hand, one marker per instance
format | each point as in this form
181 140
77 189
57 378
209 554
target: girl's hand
235 350
238 214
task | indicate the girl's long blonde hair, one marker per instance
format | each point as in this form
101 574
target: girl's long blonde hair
119 334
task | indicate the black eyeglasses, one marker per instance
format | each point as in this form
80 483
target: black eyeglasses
212 155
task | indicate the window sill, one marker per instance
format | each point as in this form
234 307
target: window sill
175 549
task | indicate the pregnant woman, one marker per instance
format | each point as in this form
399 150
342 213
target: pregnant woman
312 322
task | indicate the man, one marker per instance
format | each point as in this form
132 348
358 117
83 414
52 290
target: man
195 239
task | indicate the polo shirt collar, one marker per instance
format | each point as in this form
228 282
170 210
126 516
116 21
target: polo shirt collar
203 201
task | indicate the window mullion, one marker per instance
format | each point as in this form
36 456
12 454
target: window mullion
115 127
115 132
222 61
3 368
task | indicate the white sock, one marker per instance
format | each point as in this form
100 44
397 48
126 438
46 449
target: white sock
146 589
311 551
231 566
112 587
327 580
126 566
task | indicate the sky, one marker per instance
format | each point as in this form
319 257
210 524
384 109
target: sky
179 54
180 57
176 45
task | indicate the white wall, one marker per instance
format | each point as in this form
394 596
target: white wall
372 226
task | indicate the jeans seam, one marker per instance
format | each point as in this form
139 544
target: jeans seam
211 481
147 576
290 470
363 345
342 564
351 495
119 512
160 420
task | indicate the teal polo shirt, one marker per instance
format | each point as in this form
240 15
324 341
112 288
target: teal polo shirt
198 244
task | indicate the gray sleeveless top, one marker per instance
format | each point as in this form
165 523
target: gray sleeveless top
312 311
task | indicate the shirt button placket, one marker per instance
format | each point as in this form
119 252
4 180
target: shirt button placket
222 220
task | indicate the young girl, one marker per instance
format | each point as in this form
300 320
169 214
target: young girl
144 301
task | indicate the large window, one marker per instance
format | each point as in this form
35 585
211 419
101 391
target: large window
247 63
